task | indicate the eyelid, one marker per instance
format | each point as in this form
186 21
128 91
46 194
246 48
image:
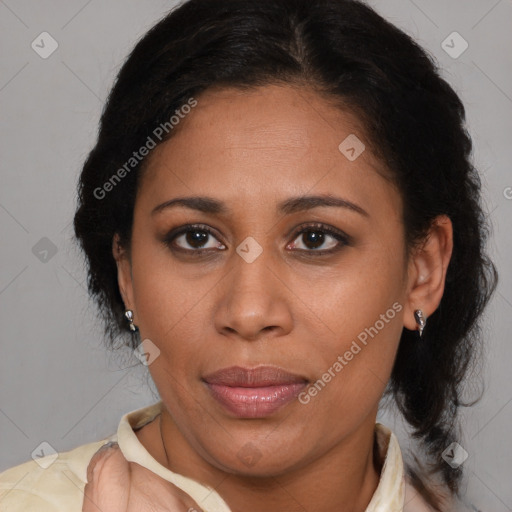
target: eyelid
336 233
323 227
170 236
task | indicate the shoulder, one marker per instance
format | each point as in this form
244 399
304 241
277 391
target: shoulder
414 502
55 483
51 483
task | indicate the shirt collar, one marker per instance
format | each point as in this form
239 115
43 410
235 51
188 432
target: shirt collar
390 493
388 497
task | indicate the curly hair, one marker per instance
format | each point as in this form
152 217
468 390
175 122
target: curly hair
415 122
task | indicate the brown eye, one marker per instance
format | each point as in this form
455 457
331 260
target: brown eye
319 238
195 239
315 239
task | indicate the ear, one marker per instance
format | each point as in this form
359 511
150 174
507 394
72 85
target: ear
124 272
427 271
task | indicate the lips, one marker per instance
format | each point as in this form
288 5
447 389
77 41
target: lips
254 393
262 376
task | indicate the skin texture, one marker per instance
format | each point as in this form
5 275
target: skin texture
290 307
116 484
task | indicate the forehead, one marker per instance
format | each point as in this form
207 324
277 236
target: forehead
272 120
272 142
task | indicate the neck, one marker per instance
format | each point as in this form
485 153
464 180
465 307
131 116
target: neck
343 479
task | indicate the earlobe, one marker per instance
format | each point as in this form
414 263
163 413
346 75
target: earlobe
427 272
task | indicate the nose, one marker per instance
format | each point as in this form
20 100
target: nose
255 301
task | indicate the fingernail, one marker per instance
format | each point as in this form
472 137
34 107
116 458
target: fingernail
99 459
108 445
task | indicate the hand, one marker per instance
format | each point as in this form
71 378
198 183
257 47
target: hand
116 485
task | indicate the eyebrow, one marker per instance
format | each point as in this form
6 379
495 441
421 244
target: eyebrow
292 205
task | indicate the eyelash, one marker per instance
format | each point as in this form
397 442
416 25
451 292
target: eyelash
341 237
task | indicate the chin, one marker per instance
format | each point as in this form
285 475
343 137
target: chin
252 461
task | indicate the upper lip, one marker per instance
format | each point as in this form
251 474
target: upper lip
261 376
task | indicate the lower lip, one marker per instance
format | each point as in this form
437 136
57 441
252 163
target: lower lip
255 402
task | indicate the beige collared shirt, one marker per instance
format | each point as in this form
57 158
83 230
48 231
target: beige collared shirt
56 484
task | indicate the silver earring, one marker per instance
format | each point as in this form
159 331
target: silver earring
420 320
129 316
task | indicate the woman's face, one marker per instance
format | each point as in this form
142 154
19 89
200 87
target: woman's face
267 276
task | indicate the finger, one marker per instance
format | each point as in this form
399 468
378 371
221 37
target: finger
108 481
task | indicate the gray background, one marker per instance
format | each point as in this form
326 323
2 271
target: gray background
58 384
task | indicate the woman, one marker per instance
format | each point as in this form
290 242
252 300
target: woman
281 214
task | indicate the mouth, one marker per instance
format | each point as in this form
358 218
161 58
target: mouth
254 393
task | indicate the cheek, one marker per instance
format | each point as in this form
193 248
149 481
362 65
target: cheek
163 298
364 287
174 312
355 371
365 325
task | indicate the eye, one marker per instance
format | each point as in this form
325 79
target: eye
319 238
193 239
312 238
